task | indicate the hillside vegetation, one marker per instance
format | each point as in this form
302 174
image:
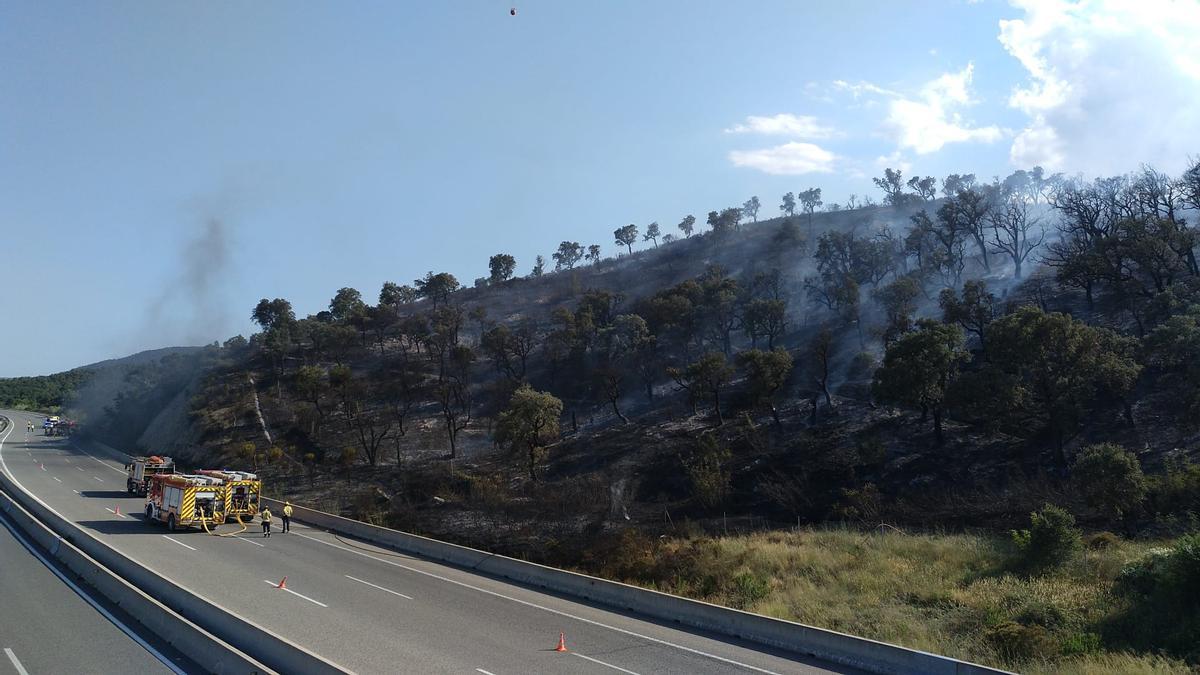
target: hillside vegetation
937 362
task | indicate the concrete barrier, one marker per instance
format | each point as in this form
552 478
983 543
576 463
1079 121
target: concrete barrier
206 651
850 650
272 651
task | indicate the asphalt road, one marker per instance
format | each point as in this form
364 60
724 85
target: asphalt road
368 609
50 625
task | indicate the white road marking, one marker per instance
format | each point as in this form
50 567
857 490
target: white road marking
16 662
75 491
106 465
176 541
80 468
57 478
78 591
385 590
551 610
608 665
481 670
248 541
115 513
295 593
99 479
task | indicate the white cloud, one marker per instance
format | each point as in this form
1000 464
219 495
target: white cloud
1110 83
896 160
783 124
932 120
863 88
789 159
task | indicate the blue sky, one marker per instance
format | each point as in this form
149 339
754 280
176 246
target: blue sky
165 165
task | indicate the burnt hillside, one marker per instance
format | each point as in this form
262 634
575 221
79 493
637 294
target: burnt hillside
935 362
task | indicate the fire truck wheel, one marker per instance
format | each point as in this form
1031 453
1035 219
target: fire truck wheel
149 512
171 522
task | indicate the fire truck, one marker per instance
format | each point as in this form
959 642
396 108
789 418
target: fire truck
185 500
241 492
140 469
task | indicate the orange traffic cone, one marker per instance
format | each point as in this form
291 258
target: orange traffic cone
562 643
41 466
117 510
283 584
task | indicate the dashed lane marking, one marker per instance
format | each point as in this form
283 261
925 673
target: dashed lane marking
295 593
551 610
175 541
607 665
15 661
385 590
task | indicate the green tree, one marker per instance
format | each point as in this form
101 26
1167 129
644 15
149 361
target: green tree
269 314
899 301
394 295
974 310
919 366
1110 478
766 318
1051 540
501 267
1175 347
687 225
788 207
652 233
626 235
705 378
1061 367
810 201
347 305
593 254
568 254
539 267
925 188
531 420
750 208
436 287
892 184
766 374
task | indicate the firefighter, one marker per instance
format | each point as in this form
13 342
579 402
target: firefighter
287 517
266 521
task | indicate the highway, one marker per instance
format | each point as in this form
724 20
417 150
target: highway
50 625
367 609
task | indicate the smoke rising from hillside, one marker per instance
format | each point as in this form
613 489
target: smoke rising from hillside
191 308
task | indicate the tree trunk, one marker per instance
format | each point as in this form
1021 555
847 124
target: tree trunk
937 426
717 406
613 401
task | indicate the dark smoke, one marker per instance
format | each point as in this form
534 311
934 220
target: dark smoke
191 309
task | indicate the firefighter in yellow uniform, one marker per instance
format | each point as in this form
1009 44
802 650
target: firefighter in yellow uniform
266 521
287 517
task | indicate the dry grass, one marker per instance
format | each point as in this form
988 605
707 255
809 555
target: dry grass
949 594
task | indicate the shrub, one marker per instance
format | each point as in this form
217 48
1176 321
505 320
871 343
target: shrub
1051 540
1022 643
1184 568
748 589
1101 541
706 473
1177 491
1110 478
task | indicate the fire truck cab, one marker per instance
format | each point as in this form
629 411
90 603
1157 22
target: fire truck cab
184 500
